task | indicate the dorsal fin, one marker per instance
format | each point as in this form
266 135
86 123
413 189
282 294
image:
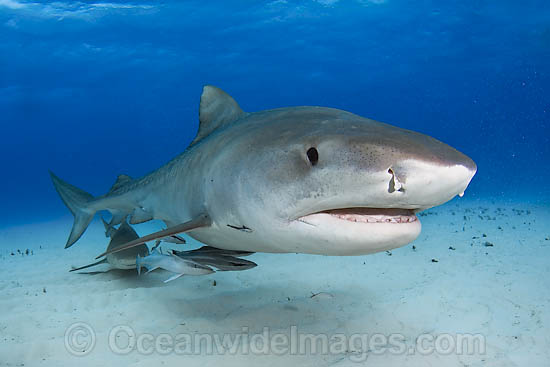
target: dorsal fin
121 180
217 108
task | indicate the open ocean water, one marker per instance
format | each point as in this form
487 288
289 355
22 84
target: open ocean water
92 89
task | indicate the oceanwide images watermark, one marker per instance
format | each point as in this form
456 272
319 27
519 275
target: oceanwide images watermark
80 340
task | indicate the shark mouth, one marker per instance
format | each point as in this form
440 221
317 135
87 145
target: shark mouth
358 231
368 215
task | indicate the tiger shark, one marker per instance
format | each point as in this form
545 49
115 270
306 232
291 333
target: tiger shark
312 180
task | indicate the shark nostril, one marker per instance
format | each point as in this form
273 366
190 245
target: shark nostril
391 187
394 184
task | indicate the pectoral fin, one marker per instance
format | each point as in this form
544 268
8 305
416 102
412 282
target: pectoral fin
198 222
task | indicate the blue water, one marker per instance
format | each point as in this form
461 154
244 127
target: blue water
91 90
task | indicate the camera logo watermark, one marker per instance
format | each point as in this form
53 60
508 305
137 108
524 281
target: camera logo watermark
80 340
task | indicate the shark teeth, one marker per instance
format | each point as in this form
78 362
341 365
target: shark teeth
375 219
371 215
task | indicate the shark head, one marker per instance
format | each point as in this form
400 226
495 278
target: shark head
325 181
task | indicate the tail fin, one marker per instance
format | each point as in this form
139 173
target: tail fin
89 265
77 201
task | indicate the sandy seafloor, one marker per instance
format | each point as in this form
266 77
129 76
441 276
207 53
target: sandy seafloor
501 292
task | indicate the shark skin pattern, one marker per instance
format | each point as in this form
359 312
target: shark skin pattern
308 179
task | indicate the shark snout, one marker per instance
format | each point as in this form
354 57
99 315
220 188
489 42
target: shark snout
426 172
422 184
467 163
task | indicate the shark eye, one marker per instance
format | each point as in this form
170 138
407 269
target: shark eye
313 156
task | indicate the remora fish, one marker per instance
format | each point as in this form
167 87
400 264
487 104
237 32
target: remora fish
225 260
125 259
172 263
299 179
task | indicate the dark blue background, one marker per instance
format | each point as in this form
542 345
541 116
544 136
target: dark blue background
91 90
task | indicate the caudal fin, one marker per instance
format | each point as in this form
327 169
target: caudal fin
78 203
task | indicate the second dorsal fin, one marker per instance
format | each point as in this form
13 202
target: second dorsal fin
217 108
121 180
